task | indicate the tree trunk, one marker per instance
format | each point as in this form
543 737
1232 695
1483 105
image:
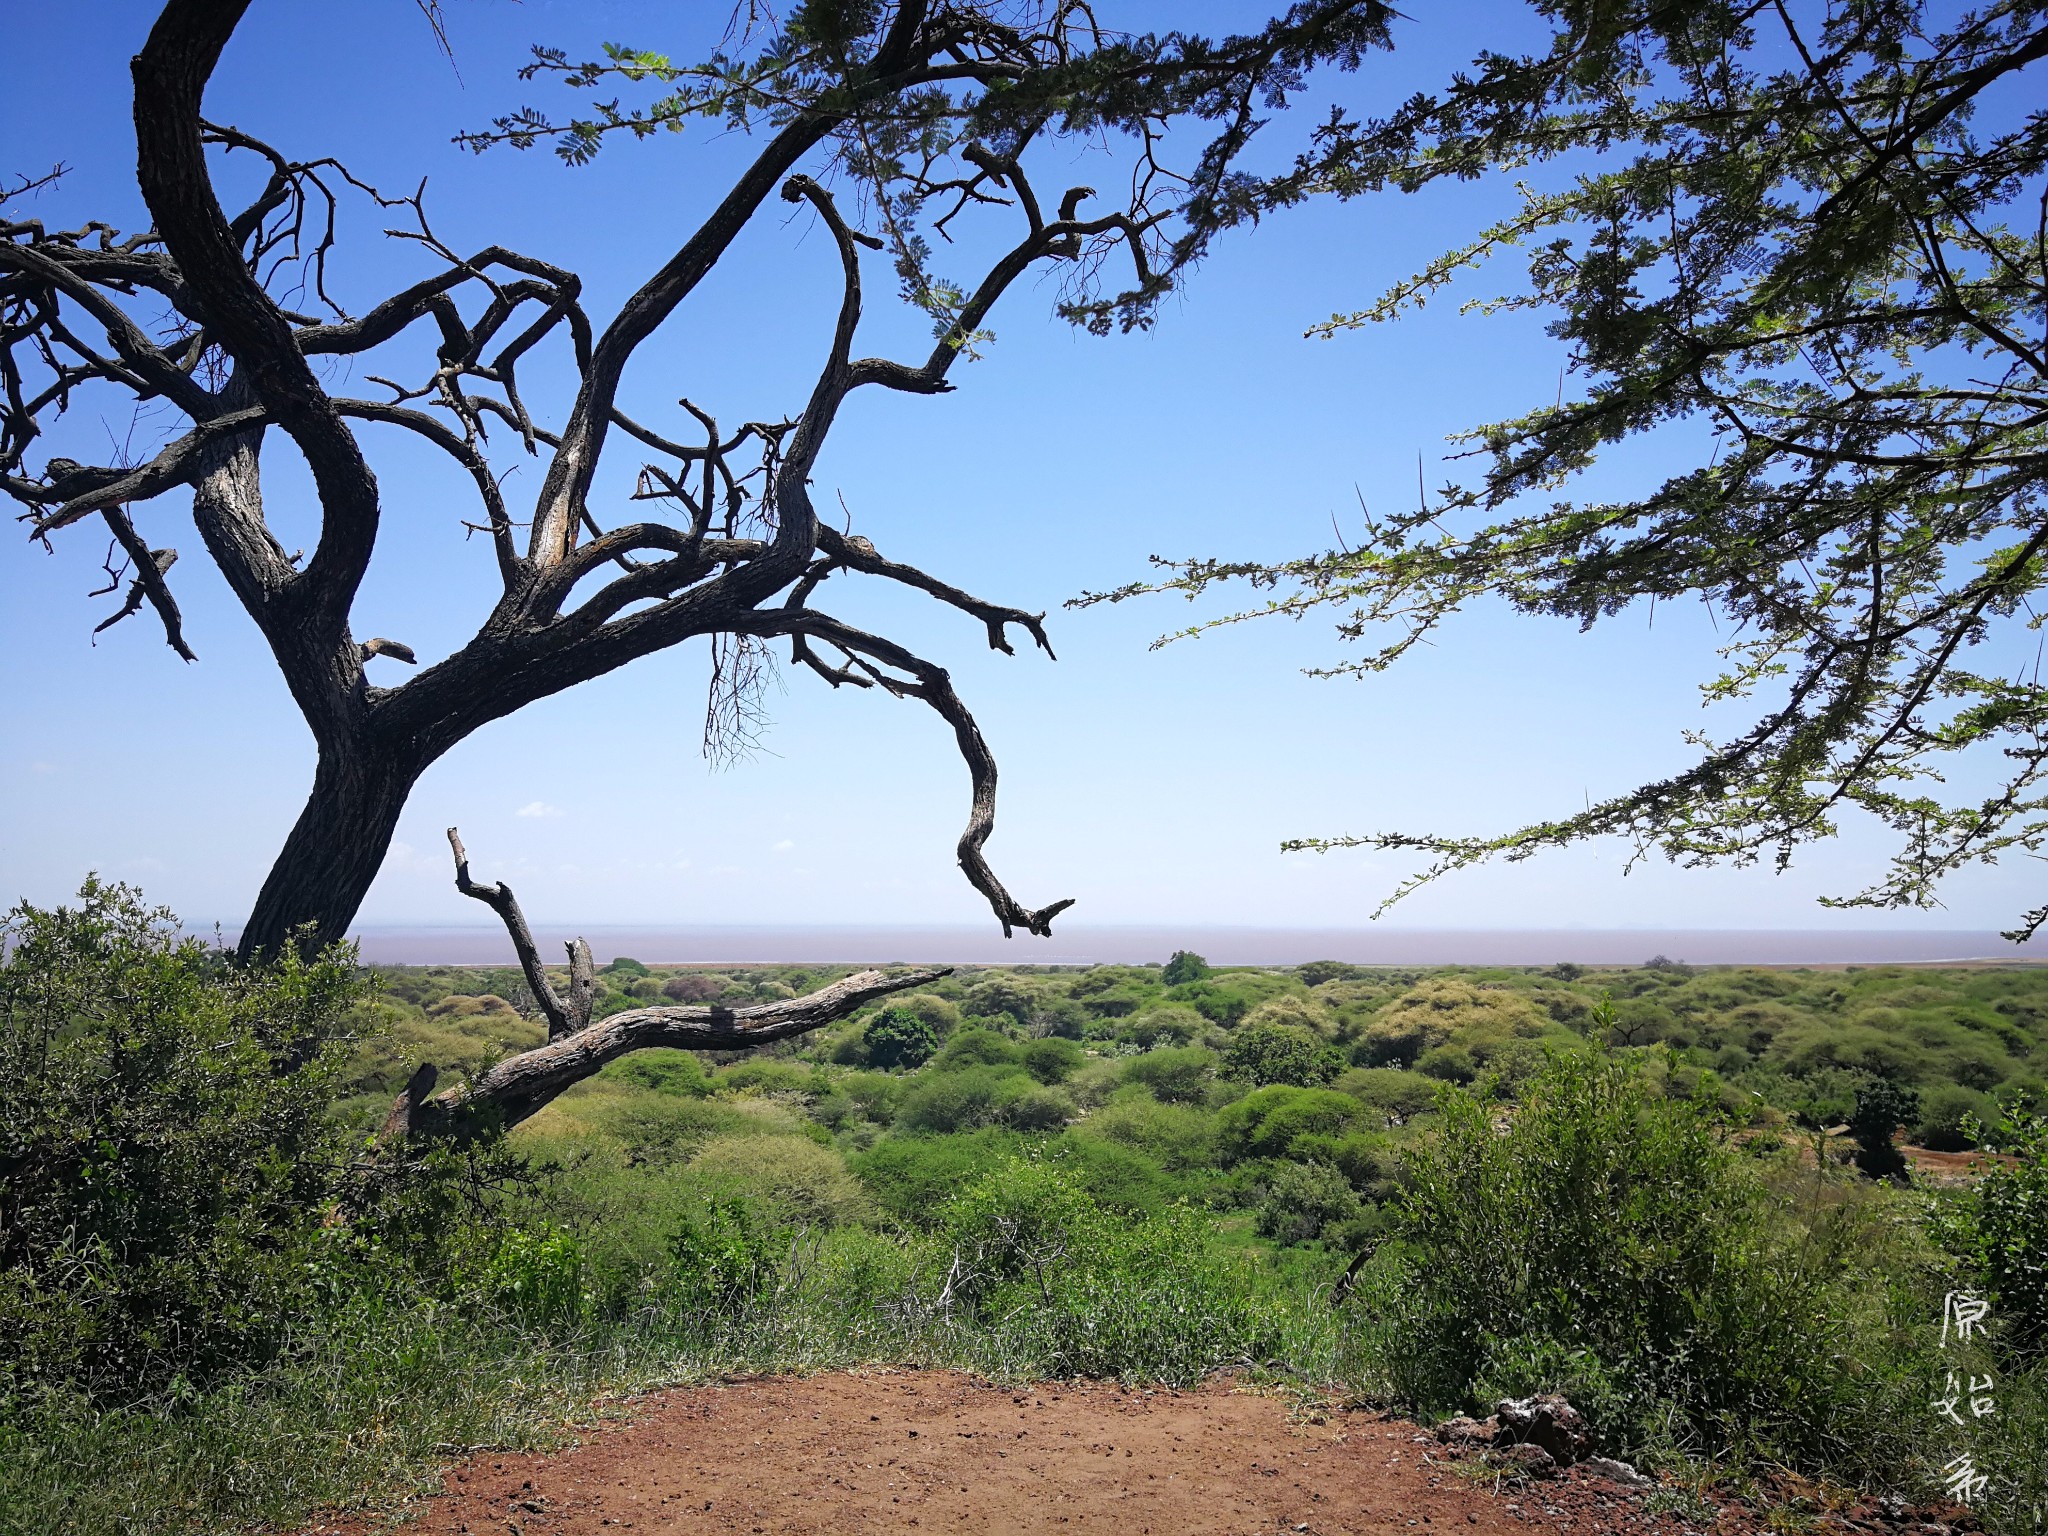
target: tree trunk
320 878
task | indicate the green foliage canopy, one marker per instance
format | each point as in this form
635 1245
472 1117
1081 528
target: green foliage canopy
1821 239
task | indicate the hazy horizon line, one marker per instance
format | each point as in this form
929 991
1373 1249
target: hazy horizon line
479 943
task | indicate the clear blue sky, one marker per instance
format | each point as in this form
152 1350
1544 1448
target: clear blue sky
1152 786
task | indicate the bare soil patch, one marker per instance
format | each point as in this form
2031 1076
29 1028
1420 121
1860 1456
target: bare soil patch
929 1451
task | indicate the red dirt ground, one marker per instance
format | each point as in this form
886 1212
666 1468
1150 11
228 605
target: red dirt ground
928 1451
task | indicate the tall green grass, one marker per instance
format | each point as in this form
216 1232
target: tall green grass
1026 1275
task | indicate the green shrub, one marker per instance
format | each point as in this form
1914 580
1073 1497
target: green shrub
1052 1060
943 1014
657 1131
1172 1024
941 1103
1262 1054
873 1094
1064 1287
1173 1076
1116 1177
912 1177
1184 967
1110 992
1881 1108
1605 1220
899 1040
2003 1230
1448 1063
722 1258
165 1138
1303 1200
763 1074
694 987
1096 1083
1266 1123
976 1047
1176 1137
802 1183
1226 999
1397 1095
1293 1010
663 1070
1434 1012
1950 1117
1038 1109
1367 1160
1000 995
538 1277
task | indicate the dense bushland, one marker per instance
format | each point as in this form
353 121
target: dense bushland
224 1285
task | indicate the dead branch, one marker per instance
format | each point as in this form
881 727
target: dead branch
577 1048
934 686
149 566
516 1088
564 1015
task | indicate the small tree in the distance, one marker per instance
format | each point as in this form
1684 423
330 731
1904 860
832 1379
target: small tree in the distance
1262 1054
1881 1108
899 1040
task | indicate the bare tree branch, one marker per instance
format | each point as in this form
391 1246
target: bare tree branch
507 1093
565 1016
149 566
934 686
514 1089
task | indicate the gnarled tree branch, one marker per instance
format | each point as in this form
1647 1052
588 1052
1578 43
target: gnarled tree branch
564 1015
512 1090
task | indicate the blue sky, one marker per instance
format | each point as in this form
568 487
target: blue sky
1152 786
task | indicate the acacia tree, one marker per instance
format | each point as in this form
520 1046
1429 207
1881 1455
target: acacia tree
1817 236
932 110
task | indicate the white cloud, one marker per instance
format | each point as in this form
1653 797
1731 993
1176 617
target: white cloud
538 810
784 846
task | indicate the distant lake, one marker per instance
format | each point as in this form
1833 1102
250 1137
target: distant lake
1082 945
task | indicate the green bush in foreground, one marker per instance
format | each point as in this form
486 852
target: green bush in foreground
2002 1229
167 1156
1609 1233
1693 1299
1061 1285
